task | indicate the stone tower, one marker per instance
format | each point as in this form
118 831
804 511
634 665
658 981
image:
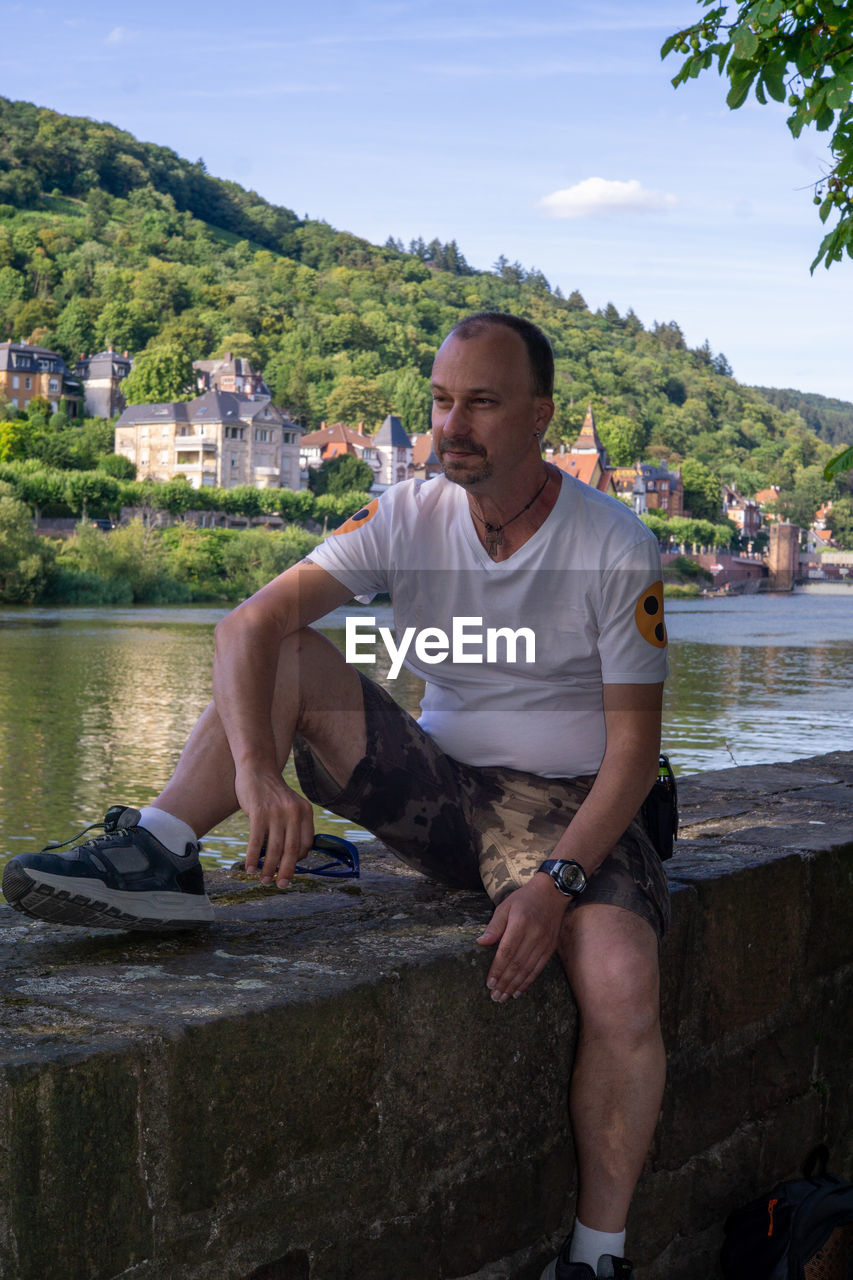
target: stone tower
783 556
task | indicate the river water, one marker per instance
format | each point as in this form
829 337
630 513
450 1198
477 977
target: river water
95 704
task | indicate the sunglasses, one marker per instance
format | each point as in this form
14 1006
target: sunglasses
342 859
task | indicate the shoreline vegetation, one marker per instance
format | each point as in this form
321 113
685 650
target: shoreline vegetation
139 563
156 556
140 542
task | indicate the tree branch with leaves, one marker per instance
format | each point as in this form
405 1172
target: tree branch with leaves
800 54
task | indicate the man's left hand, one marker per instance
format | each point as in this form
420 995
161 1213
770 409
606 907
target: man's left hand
527 926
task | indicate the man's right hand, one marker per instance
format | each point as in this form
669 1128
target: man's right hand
278 818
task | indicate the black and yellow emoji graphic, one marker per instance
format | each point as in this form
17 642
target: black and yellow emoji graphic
359 519
649 616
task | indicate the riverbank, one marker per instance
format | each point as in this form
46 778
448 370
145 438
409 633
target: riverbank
318 1088
142 564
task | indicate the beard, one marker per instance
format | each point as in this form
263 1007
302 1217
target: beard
467 472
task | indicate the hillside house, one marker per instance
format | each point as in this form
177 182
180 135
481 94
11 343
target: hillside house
767 498
821 516
650 488
219 438
425 462
329 442
101 376
394 450
744 512
231 373
27 371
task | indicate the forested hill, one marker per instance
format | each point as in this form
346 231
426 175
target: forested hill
830 419
108 241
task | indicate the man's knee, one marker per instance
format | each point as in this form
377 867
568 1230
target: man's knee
321 693
611 959
316 669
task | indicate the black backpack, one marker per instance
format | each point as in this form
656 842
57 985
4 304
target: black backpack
801 1230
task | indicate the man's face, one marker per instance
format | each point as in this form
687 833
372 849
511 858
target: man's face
484 413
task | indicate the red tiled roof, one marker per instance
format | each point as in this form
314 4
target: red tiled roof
580 465
339 433
421 449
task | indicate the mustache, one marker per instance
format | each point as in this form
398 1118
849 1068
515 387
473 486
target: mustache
462 445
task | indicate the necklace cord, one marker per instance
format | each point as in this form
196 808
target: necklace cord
499 528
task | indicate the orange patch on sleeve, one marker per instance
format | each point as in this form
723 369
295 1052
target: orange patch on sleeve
649 616
360 518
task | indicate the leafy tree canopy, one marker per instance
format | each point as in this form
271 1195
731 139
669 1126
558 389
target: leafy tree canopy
800 54
160 376
115 464
22 552
624 438
701 490
344 474
357 399
841 521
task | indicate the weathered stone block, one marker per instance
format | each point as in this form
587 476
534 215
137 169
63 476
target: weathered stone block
657 1211
750 937
781 1063
717 1177
689 1257
267 1088
790 1132
829 941
295 1266
681 970
72 1186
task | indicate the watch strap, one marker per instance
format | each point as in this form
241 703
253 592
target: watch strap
550 865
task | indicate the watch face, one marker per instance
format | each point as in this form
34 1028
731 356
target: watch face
571 877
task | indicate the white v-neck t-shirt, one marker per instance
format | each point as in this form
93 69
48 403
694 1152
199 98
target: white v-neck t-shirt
586 586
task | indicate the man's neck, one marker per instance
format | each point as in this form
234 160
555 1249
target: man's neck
505 520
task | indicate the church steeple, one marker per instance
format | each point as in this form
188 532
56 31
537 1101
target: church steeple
589 440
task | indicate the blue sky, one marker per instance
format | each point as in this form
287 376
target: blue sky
548 132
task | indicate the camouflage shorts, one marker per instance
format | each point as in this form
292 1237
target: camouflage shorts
471 827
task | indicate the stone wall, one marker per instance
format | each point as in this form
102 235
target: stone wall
318 1088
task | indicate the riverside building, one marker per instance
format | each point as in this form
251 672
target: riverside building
220 438
27 371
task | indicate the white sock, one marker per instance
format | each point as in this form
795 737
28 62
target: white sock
588 1245
170 831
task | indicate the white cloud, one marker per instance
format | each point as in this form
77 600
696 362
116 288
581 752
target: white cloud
596 196
118 35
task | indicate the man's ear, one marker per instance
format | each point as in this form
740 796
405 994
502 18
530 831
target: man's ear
545 409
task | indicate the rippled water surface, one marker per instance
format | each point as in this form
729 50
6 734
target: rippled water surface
96 704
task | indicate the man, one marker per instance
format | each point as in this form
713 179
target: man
525 773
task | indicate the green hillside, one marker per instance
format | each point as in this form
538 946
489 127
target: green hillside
105 240
830 419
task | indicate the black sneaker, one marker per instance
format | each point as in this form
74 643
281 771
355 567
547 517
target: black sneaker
124 879
609 1268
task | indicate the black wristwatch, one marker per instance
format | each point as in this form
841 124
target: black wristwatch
568 876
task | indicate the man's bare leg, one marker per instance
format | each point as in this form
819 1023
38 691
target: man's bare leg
92 885
316 694
611 958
